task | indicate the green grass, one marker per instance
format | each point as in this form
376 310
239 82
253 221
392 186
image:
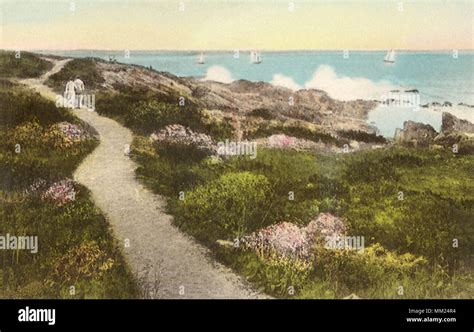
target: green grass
76 248
145 112
362 188
85 68
22 65
266 129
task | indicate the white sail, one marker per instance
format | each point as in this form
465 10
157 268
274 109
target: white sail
201 59
256 57
390 57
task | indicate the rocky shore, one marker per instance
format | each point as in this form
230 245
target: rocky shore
456 134
242 97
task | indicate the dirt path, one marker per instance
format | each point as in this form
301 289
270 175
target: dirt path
168 263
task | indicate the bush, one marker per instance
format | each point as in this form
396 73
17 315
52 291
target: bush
85 68
262 113
27 65
428 224
266 129
361 136
357 271
145 111
20 106
152 115
225 208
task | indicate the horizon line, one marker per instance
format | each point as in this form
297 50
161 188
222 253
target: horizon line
240 50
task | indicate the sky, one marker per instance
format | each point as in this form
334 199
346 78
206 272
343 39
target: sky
236 24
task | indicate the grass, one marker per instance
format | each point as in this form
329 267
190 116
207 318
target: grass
145 112
266 129
85 68
77 255
22 65
362 188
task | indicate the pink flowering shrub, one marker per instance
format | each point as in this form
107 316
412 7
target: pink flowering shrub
37 187
326 225
65 134
280 141
178 134
287 240
61 192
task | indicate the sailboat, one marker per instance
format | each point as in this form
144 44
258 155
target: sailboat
390 57
256 57
201 59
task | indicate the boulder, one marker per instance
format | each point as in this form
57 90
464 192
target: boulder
415 133
451 124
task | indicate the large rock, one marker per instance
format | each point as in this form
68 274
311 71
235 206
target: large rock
456 134
415 133
243 96
451 124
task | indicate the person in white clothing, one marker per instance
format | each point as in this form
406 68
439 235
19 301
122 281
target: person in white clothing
70 94
79 89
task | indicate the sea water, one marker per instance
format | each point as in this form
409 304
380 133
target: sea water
438 76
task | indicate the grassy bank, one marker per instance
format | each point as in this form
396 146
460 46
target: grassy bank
84 68
77 256
409 240
22 65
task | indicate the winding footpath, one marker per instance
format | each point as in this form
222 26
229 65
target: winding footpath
166 262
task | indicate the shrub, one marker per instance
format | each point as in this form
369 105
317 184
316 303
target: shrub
152 115
262 113
361 136
225 208
85 68
27 65
356 271
86 261
266 129
21 106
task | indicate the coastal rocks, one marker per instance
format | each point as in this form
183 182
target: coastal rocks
451 124
290 241
415 133
456 134
178 134
243 96
466 105
438 104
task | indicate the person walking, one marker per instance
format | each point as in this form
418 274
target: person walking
79 89
70 94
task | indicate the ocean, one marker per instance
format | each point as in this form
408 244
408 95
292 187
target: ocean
439 76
